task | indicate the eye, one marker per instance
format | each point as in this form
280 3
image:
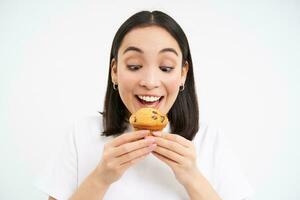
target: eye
166 68
134 67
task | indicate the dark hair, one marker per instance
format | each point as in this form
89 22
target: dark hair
184 114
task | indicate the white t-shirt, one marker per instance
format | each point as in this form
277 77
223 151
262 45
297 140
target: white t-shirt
149 178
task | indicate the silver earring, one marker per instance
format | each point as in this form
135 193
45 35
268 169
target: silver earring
115 86
181 88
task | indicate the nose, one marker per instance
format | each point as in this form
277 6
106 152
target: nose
150 80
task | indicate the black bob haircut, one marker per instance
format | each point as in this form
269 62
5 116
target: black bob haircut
184 113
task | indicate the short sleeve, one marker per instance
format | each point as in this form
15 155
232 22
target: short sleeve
231 182
59 179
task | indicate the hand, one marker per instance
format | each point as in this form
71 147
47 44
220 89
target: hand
121 153
179 154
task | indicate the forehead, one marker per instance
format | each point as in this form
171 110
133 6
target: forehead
150 39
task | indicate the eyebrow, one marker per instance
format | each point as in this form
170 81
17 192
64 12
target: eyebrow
169 50
132 48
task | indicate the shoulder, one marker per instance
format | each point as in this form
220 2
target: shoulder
88 124
88 129
208 134
210 143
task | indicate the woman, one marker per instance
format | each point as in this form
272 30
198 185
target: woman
150 66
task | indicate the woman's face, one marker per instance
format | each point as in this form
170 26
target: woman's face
149 69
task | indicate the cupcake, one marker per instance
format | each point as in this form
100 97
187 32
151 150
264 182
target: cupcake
148 119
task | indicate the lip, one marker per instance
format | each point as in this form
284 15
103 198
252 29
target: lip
153 105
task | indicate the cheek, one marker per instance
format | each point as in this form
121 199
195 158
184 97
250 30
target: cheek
126 82
173 84
172 89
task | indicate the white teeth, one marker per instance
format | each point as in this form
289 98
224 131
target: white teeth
149 98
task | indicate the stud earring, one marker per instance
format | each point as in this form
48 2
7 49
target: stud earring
115 86
181 88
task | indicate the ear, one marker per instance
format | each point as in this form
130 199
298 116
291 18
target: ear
184 71
114 71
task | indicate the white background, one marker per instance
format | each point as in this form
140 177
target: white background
53 70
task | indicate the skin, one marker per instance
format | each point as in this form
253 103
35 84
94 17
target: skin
180 155
147 70
150 72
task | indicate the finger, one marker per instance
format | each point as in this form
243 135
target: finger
134 154
169 154
128 147
173 137
169 162
126 165
173 146
129 137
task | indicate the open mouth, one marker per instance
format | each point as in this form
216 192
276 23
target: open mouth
149 100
